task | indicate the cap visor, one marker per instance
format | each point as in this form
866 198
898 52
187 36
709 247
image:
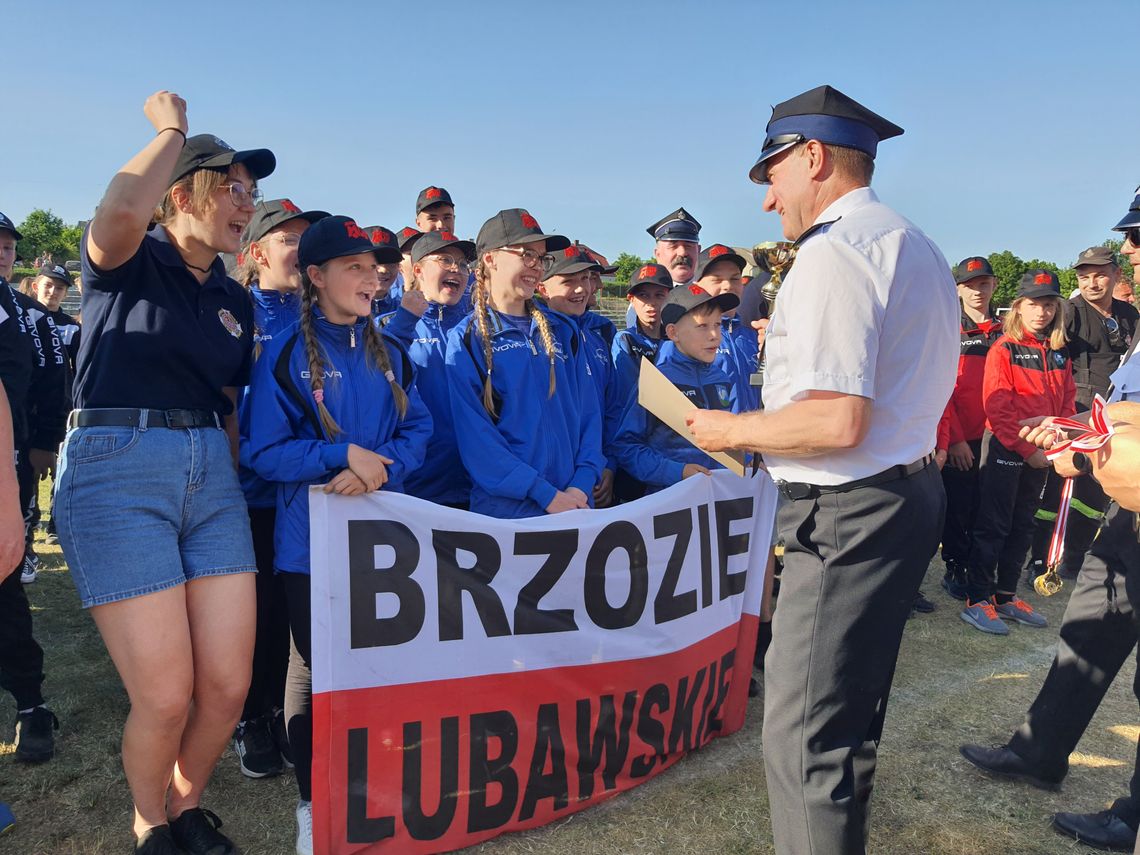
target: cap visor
1039 291
259 161
388 254
759 171
1130 221
570 269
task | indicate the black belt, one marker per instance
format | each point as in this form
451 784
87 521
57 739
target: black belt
800 490
177 419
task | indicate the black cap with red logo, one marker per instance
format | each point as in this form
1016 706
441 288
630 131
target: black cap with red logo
431 196
1039 283
650 274
972 268
206 151
407 236
269 215
386 243
335 237
572 259
684 298
435 241
515 226
715 253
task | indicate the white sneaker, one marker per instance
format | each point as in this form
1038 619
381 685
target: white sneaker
304 828
27 572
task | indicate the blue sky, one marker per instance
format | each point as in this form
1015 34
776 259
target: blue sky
598 117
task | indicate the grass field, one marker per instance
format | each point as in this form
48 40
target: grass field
953 685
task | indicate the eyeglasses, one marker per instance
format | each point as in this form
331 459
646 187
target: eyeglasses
529 257
240 196
449 263
1132 235
289 240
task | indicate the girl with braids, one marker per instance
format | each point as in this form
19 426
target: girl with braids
333 402
527 421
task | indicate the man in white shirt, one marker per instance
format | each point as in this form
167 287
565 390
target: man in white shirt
861 360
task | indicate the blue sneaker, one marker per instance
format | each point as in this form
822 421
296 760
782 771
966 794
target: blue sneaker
1019 610
7 820
983 615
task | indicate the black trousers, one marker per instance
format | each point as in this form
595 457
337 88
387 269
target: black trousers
1088 504
852 565
29 495
1003 529
271 646
963 494
21 658
299 683
1098 634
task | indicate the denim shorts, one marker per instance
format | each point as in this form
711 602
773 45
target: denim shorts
142 510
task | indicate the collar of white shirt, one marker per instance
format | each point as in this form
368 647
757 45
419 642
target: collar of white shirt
845 204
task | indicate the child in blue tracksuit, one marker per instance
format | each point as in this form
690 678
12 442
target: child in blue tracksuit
439 269
648 449
528 424
719 271
567 287
332 403
647 292
270 272
386 299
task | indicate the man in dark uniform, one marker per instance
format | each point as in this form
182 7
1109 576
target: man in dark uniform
860 364
1098 633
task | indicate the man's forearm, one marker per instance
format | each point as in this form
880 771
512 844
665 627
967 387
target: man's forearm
806 428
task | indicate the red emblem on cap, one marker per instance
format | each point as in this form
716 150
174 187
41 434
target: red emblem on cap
697 290
290 207
718 250
381 236
432 193
447 236
570 251
408 231
647 271
354 231
1043 279
528 221
971 266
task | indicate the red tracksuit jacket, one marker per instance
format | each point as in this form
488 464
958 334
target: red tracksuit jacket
965 419
1024 378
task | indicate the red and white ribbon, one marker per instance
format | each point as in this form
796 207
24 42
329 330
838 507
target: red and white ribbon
1092 436
1057 542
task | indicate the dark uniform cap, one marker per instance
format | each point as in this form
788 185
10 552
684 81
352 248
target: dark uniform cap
1039 283
1131 219
56 271
335 237
823 114
386 244
572 259
1096 255
206 151
435 241
651 274
718 252
684 298
269 215
515 226
432 196
407 236
679 225
972 268
6 224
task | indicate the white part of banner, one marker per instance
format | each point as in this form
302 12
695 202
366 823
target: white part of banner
409 638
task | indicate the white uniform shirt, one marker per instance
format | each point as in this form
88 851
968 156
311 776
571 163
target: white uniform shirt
869 308
1126 379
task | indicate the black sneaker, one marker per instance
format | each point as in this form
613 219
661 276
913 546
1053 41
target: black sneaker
35 741
281 737
922 605
196 832
257 752
157 841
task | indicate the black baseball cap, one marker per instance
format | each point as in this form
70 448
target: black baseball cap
435 241
335 237
386 244
572 259
1039 283
514 226
718 252
972 268
430 196
6 224
650 274
684 298
407 236
206 151
1097 255
56 271
269 215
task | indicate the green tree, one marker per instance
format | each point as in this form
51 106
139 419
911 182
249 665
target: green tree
43 231
627 265
1008 269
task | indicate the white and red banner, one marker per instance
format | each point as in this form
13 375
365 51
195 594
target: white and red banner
473 676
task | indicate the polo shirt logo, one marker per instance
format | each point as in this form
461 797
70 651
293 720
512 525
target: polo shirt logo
229 322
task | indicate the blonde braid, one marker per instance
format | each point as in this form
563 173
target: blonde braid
315 354
540 320
378 354
482 284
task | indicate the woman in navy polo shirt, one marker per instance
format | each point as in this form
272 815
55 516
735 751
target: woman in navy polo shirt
150 513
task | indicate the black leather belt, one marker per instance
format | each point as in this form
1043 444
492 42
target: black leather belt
800 490
176 419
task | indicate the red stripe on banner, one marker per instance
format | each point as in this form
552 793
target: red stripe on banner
431 767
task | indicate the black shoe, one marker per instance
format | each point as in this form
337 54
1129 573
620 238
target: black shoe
256 749
1002 762
923 605
281 738
157 841
35 741
1104 830
196 831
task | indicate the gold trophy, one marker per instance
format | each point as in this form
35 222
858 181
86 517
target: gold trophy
775 258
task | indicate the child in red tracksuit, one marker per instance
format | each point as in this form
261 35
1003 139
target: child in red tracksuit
1028 373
